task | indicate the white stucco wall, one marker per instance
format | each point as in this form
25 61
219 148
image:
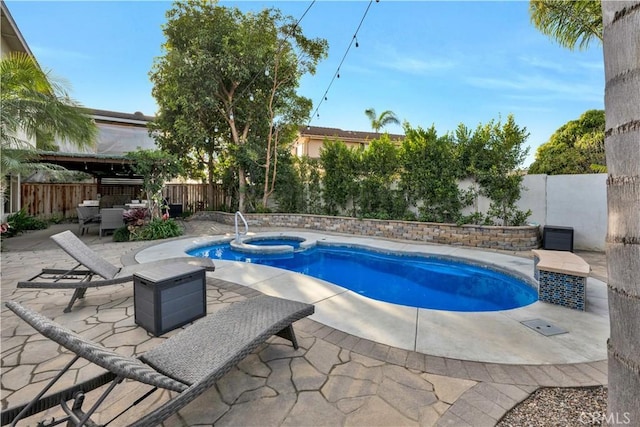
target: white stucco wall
579 201
534 197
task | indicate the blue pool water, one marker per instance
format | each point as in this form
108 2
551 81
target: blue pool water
407 280
274 242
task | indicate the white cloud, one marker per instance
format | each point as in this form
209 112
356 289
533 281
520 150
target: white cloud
536 87
389 57
592 66
565 67
542 63
45 52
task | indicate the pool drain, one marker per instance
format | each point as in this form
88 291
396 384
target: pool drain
543 327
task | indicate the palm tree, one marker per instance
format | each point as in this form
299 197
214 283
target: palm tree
622 145
616 23
385 118
34 106
568 22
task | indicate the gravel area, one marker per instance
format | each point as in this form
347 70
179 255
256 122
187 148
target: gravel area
559 407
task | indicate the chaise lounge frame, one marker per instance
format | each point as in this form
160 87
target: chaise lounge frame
188 363
91 266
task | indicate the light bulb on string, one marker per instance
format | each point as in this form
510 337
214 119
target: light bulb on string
266 72
326 99
357 44
231 116
251 97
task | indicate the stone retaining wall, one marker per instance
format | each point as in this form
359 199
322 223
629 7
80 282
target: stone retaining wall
507 238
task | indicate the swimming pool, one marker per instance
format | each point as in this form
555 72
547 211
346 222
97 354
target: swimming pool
411 280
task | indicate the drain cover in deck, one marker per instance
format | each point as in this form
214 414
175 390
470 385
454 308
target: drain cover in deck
543 327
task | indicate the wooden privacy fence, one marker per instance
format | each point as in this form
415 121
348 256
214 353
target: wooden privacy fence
45 200
195 197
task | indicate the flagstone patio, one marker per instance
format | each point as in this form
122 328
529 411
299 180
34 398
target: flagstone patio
334 378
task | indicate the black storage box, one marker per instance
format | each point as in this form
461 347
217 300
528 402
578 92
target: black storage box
175 210
556 238
169 297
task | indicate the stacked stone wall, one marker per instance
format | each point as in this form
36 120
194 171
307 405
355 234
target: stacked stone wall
492 237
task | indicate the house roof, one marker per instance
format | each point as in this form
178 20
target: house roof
10 32
342 134
136 118
99 165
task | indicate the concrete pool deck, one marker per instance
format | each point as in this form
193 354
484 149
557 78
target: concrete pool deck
336 378
494 337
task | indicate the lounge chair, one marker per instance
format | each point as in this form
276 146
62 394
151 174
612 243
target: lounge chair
111 219
87 215
189 362
90 265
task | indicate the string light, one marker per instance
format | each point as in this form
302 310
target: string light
354 40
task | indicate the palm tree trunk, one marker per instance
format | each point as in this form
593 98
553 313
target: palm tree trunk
622 106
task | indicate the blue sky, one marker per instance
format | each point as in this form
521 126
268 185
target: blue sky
431 62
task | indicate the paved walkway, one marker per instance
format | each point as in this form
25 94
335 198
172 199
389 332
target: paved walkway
333 379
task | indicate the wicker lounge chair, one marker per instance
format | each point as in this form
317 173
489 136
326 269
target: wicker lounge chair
111 219
87 215
188 363
91 265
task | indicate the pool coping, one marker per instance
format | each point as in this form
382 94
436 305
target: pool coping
488 337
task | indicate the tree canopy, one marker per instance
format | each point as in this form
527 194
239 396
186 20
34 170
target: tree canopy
422 175
570 23
156 167
35 106
577 147
226 88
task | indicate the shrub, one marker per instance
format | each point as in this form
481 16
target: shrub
156 229
20 221
56 218
134 216
122 234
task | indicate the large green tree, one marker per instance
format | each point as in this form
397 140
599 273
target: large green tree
576 147
35 107
226 86
621 41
